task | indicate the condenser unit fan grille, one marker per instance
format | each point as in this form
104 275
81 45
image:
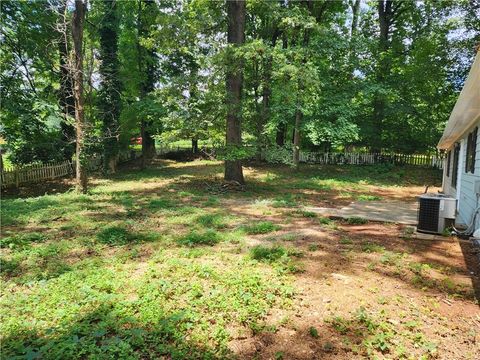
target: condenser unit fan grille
428 215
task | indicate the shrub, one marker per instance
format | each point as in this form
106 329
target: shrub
261 227
209 237
279 155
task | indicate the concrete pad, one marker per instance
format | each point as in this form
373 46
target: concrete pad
423 236
393 211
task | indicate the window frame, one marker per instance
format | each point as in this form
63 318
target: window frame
455 165
449 160
471 150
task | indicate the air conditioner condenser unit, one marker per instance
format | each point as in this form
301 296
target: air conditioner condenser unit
435 212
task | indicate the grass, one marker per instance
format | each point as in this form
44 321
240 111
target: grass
212 221
366 197
356 221
208 237
379 336
22 240
114 235
282 258
269 254
313 332
151 264
261 227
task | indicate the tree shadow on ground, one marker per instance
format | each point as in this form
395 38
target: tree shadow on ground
104 333
372 174
49 187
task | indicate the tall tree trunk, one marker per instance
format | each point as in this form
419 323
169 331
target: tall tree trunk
110 101
282 127
192 104
66 98
234 81
355 5
298 111
266 90
259 126
77 34
147 64
385 17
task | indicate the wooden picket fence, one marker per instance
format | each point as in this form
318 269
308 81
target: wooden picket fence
14 176
35 173
352 158
371 159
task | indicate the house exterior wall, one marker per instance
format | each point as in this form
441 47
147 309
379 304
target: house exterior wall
447 187
467 200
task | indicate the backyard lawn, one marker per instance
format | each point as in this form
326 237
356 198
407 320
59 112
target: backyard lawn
168 263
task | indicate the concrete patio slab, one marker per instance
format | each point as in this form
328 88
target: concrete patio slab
400 212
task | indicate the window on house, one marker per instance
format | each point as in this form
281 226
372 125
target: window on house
471 150
449 160
456 155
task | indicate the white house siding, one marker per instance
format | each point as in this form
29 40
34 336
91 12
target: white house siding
447 187
467 199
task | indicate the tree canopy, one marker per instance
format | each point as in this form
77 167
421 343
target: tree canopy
327 75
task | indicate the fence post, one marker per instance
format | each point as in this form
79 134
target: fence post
16 178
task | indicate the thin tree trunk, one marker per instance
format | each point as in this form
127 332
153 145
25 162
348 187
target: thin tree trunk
280 136
258 112
355 5
298 111
110 101
66 98
192 103
77 34
296 137
234 82
282 127
194 145
148 85
266 94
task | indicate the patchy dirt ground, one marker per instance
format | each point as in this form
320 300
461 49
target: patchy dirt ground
367 290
